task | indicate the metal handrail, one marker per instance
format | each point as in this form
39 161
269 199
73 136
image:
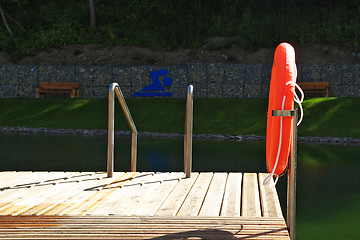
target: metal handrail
291 183
114 87
188 132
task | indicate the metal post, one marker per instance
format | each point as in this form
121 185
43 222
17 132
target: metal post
291 184
133 151
291 187
110 157
188 132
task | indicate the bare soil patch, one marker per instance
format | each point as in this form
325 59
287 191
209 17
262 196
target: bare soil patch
95 54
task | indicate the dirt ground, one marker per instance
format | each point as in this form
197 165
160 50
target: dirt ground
94 54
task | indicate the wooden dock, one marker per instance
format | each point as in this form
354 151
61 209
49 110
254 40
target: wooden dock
138 205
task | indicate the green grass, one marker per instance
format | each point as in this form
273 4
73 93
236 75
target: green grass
335 117
338 117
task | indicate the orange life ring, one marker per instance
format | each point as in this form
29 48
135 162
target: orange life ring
281 97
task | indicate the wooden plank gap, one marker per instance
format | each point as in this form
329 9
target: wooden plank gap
135 196
223 195
207 190
231 206
158 195
94 199
175 200
214 196
194 200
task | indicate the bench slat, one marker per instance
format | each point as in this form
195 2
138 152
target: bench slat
59 83
54 91
58 87
315 87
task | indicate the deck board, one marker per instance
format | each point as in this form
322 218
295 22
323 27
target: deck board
93 199
118 201
151 205
75 198
268 196
140 195
176 198
44 197
251 198
143 228
136 193
214 197
24 193
193 202
232 197
140 205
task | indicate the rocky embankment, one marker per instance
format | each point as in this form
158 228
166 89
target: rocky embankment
219 137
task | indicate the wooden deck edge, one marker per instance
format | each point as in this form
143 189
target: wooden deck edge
90 227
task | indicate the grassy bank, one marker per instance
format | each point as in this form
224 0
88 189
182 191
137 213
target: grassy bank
335 117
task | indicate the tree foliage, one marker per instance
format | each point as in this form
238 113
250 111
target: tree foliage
170 24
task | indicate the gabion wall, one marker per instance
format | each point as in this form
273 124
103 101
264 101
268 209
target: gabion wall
211 80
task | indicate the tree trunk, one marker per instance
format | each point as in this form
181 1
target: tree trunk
92 15
7 26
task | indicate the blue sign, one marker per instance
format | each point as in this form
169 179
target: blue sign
156 89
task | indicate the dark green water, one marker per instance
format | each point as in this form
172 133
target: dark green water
328 191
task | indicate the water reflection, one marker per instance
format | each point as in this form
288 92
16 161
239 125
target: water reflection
158 162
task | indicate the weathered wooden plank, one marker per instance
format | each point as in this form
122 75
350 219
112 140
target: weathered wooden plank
14 178
28 198
4 176
214 196
20 196
195 198
150 206
106 207
146 229
20 182
143 228
134 224
74 199
124 224
176 198
85 218
94 199
64 189
136 197
250 197
191 235
232 198
269 200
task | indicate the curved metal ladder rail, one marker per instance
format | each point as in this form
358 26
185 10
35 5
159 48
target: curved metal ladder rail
188 132
114 87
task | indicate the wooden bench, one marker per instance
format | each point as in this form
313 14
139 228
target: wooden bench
58 87
315 87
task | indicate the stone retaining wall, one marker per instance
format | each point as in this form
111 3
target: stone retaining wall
212 80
